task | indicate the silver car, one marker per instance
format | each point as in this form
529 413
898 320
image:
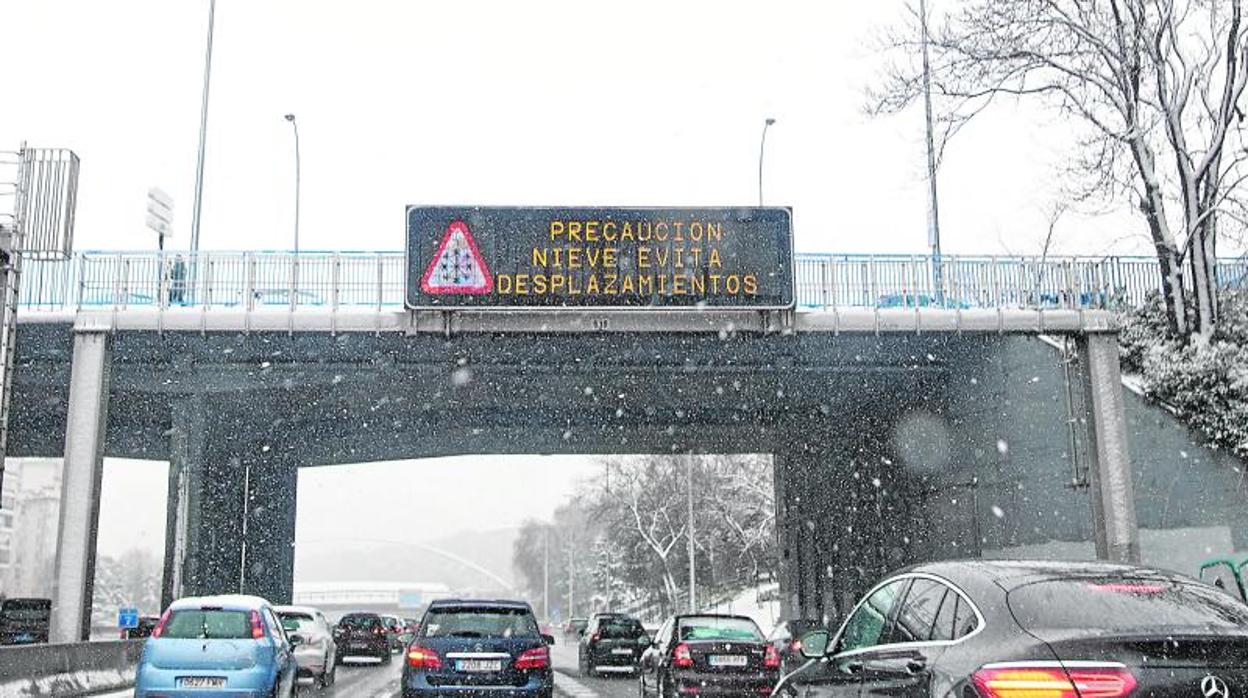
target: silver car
317 656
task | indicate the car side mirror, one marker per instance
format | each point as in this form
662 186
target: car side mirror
644 641
815 644
295 639
548 639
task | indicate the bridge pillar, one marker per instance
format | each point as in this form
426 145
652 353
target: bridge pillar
272 479
1112 493
80 487
187 443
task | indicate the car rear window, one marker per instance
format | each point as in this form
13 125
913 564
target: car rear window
620 627
479 622
297 622
359 621
712 628
1123 604
208 624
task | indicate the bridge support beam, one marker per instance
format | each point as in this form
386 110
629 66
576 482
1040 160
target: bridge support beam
269 569
187 442
1112 493
80 487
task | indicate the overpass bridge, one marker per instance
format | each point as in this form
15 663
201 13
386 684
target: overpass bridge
906 422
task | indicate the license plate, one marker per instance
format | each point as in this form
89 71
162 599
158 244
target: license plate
359 645
201 682
732 660
621 650
479 665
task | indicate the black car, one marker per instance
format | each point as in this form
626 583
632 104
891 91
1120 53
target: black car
611 642
24 621
362 634
706 654
474 648
1015 629
786 637
144 629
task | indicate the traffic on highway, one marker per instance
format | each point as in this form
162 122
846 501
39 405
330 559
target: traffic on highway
975 629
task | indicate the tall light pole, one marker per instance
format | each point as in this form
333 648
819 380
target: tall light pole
693 597
295 124
933 223
762 147
203 132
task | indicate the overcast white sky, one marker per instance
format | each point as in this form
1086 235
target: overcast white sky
537 102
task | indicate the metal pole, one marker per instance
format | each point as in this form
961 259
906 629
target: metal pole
203 132
546 574
693 598
762 146
933 230
571 576
295 124
246 506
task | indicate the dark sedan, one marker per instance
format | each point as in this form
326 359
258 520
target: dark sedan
1013 629
478 648
362 634
709 655
611 642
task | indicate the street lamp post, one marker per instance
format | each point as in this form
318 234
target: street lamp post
203 133
693 597
295 125
762 146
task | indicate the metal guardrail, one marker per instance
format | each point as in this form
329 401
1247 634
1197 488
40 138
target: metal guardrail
332 280
80 668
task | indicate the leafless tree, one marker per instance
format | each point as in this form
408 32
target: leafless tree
1153 87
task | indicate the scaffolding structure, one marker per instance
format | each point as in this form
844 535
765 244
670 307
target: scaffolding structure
38 199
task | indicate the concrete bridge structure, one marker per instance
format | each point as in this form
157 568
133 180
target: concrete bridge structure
905 424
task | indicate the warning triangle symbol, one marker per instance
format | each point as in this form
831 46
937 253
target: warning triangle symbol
457 266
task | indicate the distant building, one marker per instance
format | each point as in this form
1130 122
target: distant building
31 509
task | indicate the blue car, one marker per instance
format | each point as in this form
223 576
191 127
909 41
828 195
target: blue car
478 649
218 646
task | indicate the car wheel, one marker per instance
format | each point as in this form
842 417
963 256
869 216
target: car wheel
641 687
331 673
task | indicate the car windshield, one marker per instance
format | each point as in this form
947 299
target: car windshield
620 628
297 622
357 621
715 628
479 622
208 624
1125 604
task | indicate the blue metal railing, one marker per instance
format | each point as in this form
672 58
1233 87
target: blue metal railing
254 280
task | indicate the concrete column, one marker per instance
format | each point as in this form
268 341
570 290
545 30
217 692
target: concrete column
270 555
1112 494
80 487
187 441
781 463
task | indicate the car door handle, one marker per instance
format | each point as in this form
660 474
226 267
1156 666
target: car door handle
915 665
852 667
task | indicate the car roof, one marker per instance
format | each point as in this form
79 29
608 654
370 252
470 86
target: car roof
724 616
1011 574
234 602
480 603
297 609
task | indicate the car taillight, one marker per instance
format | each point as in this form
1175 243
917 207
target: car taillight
536 658
257 627
1051 680
681 657
160 627
378 630
595 637
795 647
423 658
771 658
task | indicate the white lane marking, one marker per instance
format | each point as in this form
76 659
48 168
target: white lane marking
568 686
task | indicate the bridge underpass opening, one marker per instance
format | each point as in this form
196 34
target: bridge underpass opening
888 448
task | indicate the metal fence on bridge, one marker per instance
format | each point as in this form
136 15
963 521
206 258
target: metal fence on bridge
257 280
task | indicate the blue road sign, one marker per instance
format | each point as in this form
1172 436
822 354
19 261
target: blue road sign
127 618
409 599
